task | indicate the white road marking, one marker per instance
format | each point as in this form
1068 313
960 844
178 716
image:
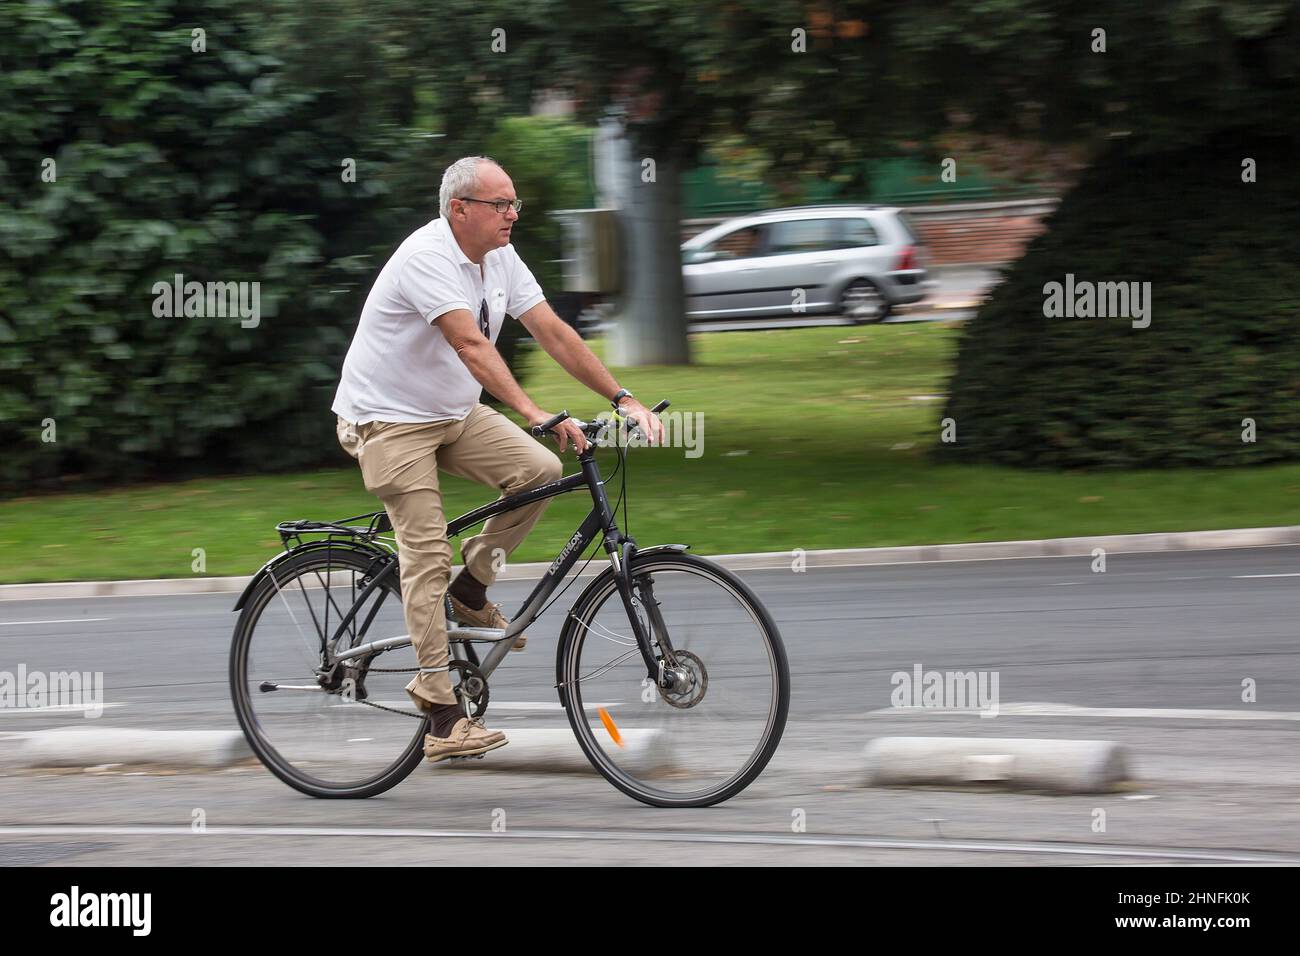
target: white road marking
66 620
53 709
1293 574
1073 710
683 836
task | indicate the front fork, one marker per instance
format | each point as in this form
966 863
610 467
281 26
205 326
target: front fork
661 668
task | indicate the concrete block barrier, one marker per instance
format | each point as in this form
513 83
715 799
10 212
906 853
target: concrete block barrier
1060 766
97 746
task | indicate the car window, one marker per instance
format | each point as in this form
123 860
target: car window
857 232
740 243
801 235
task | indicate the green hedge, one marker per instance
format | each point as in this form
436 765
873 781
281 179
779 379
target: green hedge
222 165
168 160
1223 345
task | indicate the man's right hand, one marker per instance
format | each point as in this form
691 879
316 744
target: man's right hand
564 432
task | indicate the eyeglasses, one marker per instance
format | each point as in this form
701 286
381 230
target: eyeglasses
500 205
483 325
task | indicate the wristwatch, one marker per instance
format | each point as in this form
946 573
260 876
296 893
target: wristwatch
621 394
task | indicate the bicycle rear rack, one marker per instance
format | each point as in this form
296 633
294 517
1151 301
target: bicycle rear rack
377 523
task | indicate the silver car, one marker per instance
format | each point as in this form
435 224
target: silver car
860 261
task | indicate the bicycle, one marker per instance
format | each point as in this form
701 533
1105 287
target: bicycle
671 672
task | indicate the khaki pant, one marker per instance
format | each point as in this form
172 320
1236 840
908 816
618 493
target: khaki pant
399 465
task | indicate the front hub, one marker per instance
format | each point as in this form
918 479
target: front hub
690 681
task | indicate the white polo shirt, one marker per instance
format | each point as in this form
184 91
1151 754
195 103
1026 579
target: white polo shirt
399 367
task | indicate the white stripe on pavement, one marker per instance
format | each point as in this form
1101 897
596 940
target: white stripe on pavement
53 709
67 620
1073 710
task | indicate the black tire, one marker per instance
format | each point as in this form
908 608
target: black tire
339 558
862 302
582 621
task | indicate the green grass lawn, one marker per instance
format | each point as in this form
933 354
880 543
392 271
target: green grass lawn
811 438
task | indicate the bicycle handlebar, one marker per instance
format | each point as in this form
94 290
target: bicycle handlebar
588 428
539 430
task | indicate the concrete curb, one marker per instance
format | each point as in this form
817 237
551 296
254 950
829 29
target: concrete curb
537 750
92 747
1013 763
834 558
556 750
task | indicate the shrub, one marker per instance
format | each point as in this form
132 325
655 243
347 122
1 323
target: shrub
1223 345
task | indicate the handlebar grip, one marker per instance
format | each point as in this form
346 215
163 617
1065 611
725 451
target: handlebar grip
660 407
539 430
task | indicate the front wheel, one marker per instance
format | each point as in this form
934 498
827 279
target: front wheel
707 737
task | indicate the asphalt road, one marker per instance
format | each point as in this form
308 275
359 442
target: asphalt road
1153 653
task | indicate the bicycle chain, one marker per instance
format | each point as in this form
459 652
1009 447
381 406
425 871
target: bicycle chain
392 710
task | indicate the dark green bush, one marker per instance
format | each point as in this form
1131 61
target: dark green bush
221 165
1223 260
168 160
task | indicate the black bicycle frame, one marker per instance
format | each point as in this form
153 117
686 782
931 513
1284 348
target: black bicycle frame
620 548
601 519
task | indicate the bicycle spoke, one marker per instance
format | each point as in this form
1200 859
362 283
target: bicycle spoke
329 601
313 653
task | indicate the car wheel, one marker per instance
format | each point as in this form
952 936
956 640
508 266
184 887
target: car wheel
862 302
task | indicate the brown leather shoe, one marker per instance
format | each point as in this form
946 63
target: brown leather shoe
489 616
468 737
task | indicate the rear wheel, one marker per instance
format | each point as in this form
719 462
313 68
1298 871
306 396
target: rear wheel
706 738
342 730
863 302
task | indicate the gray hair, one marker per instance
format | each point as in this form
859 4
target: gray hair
459 179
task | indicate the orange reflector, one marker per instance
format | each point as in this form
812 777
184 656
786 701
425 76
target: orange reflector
608 721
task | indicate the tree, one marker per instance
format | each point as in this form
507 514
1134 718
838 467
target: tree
174 147
821 84
679 76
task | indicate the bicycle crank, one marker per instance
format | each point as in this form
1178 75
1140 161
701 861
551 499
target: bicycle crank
473 686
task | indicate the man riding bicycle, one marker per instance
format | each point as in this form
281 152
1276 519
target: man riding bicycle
408 405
